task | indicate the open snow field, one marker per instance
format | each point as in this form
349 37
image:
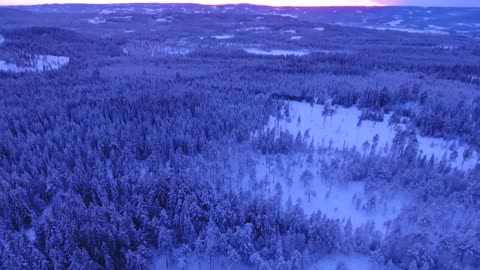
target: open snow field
296 37
276 52
220 37
335 197
343 130
352 262
96 20
329 262
155 49
38 63
432 31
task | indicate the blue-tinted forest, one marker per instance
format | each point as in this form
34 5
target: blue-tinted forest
148 144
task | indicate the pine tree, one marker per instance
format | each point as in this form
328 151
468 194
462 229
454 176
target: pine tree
306 178
310 193
413 266
341 266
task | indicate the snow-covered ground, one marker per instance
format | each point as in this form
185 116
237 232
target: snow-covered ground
320 28
172 51
162 20
96 20
277 52
151 11
99 20
256 28
106 11
394 23
352 262
128 18
154 49
2 39
447 47
439 28
432 31
331 51
38 63
194 263
222 37
333 197
288 15
296 37
342 130
332 193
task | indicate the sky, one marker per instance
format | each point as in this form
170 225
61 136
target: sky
457 3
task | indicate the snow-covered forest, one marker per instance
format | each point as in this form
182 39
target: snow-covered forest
237 137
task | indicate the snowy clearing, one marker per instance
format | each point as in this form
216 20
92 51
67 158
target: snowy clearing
195 263
319 28
288 15
257 28
330 262
342 130
333 197
96 20
37 63
410 30
296 37
2 39
127 18
155 49
276 52
331 51
394 23
106 11
436 27
174 51
447 47
352 261
220 37
162 20
151 11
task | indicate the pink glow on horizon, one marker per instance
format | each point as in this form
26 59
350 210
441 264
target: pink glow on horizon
207 2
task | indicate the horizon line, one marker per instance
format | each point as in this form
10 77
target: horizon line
377 5
366 3
203 4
